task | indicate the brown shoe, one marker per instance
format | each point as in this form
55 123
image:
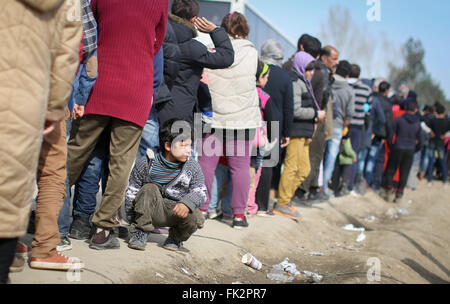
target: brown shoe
56 262
17 265
20 257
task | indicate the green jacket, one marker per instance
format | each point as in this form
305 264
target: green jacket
347 155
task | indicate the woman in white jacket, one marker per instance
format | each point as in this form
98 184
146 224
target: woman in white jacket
236 115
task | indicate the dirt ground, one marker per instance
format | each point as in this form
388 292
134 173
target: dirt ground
412 248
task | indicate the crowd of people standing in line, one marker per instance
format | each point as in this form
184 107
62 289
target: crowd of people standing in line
117 110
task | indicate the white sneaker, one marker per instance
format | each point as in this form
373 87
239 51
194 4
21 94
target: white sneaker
354 193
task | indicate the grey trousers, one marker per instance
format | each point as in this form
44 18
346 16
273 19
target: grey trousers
151 211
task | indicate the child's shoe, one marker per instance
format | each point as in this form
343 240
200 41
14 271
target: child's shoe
171 244
138 240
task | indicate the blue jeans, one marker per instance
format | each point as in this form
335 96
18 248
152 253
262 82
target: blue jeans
221 176
432 161
424 159
332 151
362 156
150 135
86 187
372 155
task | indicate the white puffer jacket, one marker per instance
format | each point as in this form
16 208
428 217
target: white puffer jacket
235 101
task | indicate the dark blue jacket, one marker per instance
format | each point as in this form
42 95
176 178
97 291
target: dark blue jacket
279 87
408 131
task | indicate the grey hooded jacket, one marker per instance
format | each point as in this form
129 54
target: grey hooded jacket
344 100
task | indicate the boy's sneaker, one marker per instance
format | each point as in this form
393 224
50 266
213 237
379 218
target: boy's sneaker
287 210
138 240
102 240
171 244
80 228
64 245
57 261
239 222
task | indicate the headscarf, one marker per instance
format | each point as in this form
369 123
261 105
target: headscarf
301 60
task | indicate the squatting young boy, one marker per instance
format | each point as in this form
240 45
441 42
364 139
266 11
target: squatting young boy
166 189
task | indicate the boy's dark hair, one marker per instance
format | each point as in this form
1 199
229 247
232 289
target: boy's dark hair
356 71
311 45
412 106
384 87
344 68
440 109
428 109
175 130
185 9
236 25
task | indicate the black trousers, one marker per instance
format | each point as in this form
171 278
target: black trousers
7 252
263 190
398 158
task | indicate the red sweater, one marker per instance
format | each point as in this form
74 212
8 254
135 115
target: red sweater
130 33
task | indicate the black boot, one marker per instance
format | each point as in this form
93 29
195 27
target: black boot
80 228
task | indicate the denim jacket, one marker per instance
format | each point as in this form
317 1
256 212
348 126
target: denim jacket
85 80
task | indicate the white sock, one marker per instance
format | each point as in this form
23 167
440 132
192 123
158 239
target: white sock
100 230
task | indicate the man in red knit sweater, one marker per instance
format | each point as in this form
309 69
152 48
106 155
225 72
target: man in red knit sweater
130 33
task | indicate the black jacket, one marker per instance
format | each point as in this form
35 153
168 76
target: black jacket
172 56
194 57
303 127
384 131
279 87
322 82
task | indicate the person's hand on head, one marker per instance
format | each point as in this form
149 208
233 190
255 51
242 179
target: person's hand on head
204 25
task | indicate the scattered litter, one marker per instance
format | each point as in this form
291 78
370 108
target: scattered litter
283 272
410 202
361 237
249 260
370 219
288 267
316 253
159 275
392 213
350 227
277 274
237 282
315 277
185 271
402 211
